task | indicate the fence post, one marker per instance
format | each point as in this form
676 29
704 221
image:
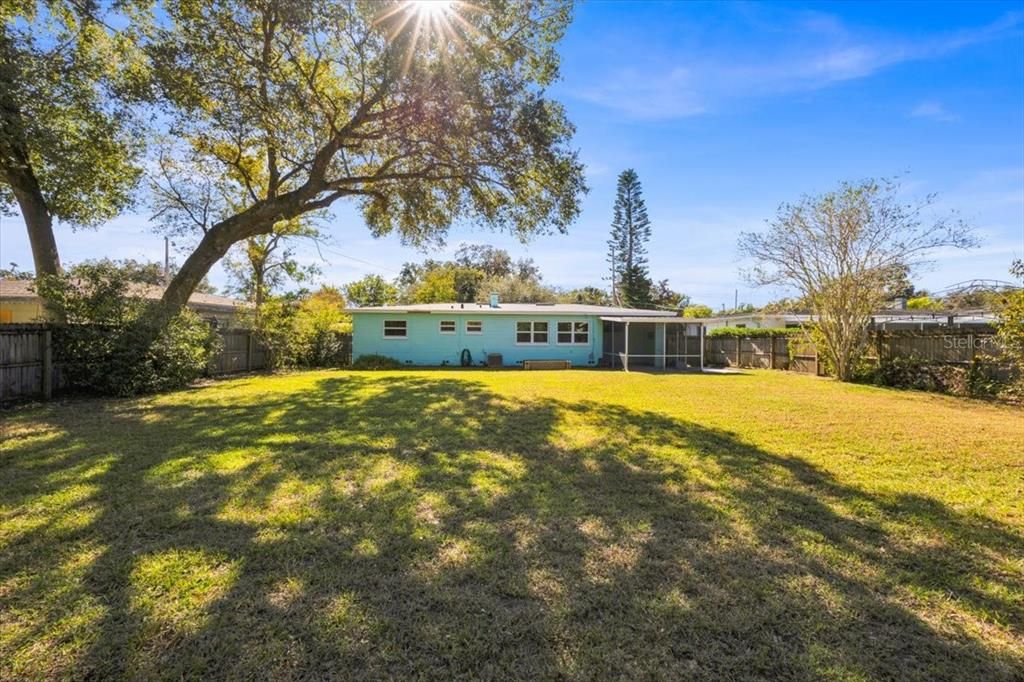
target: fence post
47 341
248 351
739 344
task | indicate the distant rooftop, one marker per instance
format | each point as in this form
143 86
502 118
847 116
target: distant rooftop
512 309
21 289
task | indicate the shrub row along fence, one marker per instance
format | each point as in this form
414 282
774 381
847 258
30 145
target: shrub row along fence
28 369
795 353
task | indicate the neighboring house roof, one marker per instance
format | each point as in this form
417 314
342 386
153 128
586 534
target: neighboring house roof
20 289
510 309
927 317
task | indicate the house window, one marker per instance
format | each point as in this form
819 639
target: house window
574 332
447 326
531 332
394 329
474 327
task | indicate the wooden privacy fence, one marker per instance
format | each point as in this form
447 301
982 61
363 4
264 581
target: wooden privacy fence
798 354
28 370
240 352
26 362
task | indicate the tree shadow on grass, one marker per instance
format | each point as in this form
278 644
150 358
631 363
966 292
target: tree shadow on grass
407 526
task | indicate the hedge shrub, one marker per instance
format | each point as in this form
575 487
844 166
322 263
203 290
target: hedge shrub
112 343
376 362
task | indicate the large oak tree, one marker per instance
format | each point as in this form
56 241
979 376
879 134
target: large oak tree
69 148
425 114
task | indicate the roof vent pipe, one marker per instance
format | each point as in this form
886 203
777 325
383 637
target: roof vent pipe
494 300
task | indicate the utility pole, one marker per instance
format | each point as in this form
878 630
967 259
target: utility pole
167 261
735 299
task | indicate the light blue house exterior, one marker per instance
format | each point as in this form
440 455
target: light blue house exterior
439 333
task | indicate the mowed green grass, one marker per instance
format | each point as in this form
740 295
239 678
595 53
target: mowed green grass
473 524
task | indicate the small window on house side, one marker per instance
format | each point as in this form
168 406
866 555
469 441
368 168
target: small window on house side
447 326
394 329
474 327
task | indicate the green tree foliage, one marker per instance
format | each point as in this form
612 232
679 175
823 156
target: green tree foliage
477 271
585 296
627 246
283 108
444 283
899 285
318 326
635 286
841 251
69 147
924 302
698 310
305 330
142 272
787 305
1011 324
113 343
515 289
259 266
663 296
372 290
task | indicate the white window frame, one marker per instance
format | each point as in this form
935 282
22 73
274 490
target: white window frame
476 322
533 333
572 333
394 337
442 330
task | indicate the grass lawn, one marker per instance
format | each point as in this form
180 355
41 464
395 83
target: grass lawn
584 524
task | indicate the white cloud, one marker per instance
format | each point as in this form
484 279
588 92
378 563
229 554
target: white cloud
811 54
933 110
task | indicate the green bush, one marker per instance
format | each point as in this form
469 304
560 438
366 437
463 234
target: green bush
111 342
311 331
744 332
975 380
376 362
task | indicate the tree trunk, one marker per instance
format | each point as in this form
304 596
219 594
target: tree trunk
38 220
259 219
212 248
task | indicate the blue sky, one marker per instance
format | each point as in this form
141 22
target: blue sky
726 110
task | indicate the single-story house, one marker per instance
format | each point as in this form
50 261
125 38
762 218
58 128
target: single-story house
519 334
19 304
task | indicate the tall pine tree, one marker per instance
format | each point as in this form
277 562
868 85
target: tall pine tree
627 247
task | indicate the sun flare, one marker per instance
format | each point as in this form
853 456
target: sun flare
431 8
427 23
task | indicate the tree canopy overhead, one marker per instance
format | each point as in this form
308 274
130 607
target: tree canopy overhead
423 117
69 148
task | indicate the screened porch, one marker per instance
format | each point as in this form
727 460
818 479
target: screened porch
658 343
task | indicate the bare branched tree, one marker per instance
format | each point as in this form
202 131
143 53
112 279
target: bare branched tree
842 250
